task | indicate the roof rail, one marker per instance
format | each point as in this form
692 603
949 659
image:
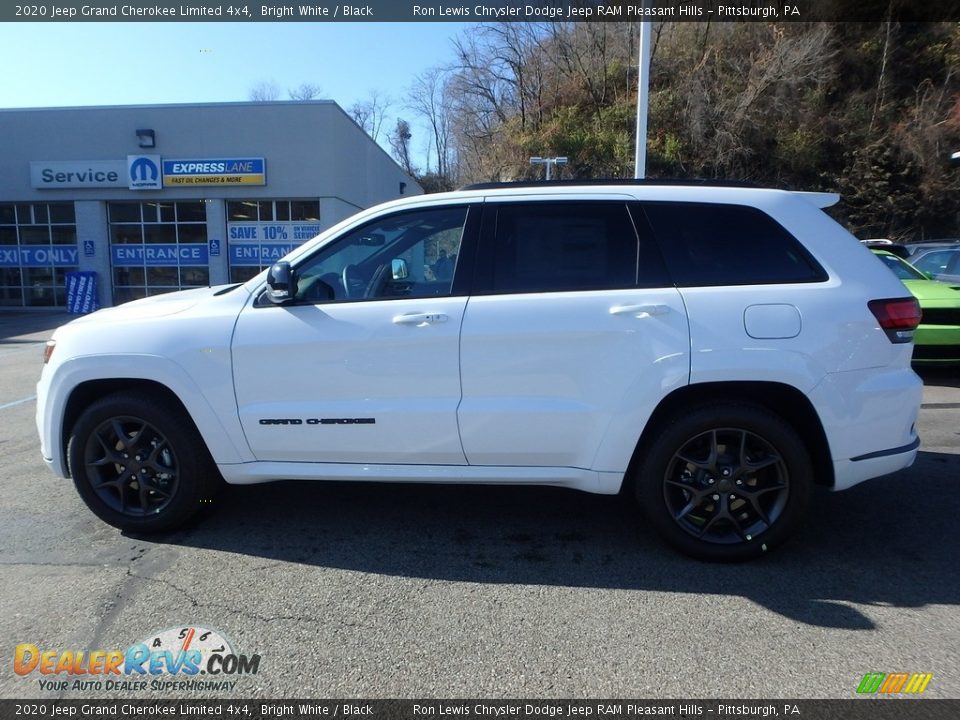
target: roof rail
703 182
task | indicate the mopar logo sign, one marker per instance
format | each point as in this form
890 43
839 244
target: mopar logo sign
143 172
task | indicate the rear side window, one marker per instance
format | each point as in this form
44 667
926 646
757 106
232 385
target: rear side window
564 246
714 244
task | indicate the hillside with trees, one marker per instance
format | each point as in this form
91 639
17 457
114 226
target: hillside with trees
868 110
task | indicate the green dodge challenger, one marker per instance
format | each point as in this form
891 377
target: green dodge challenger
937 339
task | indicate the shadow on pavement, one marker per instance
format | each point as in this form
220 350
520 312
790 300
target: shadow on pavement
886 542
30 327
945 376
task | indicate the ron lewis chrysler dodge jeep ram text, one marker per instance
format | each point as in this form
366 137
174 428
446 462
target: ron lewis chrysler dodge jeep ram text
715 352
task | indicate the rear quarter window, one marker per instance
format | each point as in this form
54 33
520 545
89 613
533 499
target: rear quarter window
708 244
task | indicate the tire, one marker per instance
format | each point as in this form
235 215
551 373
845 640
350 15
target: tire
139 463
725 482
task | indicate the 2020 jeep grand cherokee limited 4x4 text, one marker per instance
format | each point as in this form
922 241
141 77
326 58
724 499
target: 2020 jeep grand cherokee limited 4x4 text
715 352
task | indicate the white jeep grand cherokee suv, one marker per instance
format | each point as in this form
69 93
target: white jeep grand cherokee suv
715 352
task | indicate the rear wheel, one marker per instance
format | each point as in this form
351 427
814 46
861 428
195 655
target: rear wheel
725 482
139 464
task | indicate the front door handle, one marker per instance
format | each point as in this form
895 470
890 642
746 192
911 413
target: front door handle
640 311
420 319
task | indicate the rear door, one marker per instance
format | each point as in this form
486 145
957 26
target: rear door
572 335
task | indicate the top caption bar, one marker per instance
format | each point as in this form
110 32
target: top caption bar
495 11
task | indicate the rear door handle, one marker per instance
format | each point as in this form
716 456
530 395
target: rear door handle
640 311
420 319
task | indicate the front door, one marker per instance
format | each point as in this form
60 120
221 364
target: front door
363 367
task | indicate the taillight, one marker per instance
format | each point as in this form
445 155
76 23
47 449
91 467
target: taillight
898 317
48 350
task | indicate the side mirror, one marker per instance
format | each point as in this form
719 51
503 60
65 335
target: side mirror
399 269
281 283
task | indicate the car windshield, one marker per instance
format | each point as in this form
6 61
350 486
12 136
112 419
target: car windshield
901 269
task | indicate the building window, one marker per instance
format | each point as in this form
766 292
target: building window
260 232
38 246
157 247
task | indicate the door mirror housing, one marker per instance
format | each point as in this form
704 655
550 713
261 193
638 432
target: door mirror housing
281 283
399 269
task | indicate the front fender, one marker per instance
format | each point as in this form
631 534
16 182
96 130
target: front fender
218 426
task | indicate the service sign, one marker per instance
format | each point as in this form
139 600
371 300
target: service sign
57 174
215 171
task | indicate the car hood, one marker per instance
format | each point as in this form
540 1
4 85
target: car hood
156 306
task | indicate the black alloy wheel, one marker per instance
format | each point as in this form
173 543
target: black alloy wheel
726 486
131 466
139 463
725 482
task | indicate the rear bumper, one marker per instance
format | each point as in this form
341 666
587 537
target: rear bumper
883 462
870 420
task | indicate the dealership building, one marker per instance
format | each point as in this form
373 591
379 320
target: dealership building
156 198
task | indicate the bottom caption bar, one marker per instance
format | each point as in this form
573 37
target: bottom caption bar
860 709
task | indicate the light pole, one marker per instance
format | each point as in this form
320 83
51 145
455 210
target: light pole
643 91
549 162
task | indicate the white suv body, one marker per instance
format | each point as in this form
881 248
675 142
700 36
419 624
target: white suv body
668 339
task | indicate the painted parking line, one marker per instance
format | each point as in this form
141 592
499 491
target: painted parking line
21 401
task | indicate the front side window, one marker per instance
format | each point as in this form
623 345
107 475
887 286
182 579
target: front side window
564 246
404 255
711 244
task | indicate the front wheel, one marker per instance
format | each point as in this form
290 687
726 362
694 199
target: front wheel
725 482
139 464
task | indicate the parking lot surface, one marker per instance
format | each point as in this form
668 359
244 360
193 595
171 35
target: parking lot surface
348 591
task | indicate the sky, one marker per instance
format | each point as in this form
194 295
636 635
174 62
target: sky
81 64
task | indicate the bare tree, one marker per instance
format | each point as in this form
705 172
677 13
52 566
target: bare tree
265 91
371 113
400 143
305 91
428 99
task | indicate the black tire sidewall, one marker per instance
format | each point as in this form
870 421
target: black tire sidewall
195 471
754 419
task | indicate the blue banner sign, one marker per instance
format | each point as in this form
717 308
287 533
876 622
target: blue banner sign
81 292
258 254
159 254
39 256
